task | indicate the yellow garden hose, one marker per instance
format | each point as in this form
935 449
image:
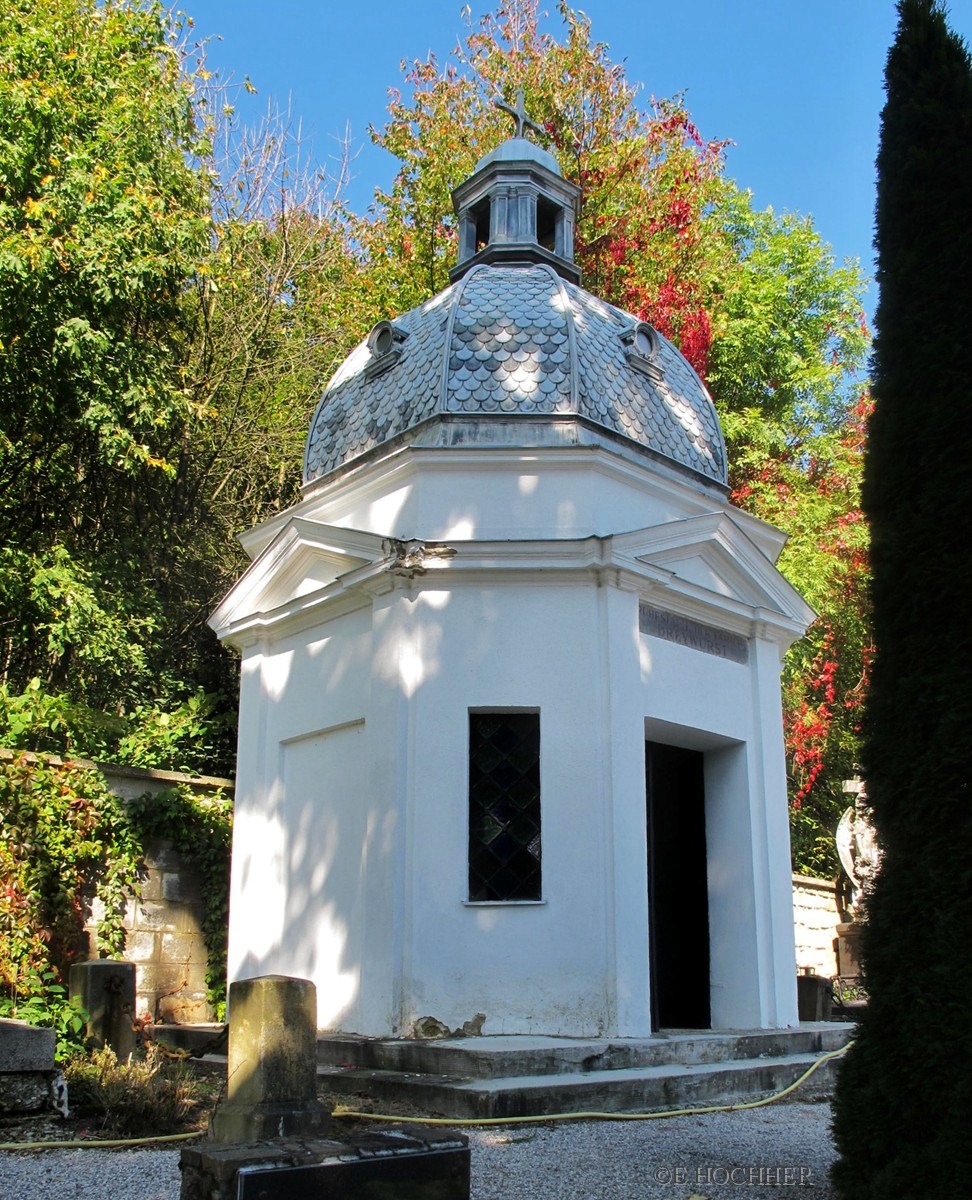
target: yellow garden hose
97 1145
341 1111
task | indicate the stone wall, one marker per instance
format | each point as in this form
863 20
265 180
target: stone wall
164 938
815 919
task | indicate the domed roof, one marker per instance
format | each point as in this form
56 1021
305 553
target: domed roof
517 340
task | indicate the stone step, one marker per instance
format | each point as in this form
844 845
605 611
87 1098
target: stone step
499 1056
632 1089
506 1076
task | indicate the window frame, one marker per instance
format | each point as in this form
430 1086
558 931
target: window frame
500 900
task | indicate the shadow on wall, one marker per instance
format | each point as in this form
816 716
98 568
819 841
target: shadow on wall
325 839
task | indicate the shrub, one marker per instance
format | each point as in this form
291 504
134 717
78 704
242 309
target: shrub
145 1096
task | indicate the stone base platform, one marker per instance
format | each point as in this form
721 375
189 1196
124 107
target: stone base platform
29 1078
511 1076
398 1161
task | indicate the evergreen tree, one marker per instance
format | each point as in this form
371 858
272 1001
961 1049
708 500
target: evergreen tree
905 1090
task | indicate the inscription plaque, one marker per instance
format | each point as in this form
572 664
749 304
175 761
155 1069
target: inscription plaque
694 634
429 1175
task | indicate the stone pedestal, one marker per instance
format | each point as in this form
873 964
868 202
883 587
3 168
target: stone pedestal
814 997
849 949
272 1067
106 988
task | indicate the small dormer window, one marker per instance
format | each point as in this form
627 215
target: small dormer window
641 347
385 344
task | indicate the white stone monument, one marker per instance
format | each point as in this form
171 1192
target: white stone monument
510 716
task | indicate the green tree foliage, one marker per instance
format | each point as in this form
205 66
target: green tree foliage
103 220
755 301
906 1087
173 290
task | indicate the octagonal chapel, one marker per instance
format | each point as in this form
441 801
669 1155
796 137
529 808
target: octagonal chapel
511 748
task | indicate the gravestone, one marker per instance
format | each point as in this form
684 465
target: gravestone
106 989
268 1132
272 1066
400 1161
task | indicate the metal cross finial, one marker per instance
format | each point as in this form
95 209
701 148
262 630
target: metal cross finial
518 114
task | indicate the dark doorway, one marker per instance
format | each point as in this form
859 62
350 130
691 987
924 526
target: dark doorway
678 895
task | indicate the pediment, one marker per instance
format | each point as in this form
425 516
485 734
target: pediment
304 558
712 557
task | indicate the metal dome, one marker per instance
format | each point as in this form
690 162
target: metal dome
517 340
516 337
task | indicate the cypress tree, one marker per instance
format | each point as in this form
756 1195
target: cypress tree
904 1092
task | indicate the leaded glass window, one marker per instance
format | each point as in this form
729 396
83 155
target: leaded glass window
504 806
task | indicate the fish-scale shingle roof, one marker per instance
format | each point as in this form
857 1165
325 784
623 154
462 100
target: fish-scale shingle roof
511 340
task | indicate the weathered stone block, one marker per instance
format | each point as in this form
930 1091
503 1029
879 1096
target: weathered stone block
185 1008
142 946
161 854
152 885
181 886
25 1091
24 1047
181 947
272 1064
106 988
160 977
157 915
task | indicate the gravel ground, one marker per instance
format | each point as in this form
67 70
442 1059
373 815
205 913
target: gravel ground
759 1154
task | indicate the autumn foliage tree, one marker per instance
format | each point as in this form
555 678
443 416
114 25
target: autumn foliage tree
175 291
754 300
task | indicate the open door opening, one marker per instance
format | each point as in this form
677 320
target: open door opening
678 894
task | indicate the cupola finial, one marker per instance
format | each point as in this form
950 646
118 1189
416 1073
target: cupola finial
518 114
516 207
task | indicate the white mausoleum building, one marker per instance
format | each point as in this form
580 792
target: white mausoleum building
510 717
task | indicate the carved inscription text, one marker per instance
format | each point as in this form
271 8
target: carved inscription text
694 634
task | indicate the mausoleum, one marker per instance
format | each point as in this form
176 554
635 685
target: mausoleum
511 750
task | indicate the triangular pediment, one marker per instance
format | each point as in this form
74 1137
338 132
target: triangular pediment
303 559
710 556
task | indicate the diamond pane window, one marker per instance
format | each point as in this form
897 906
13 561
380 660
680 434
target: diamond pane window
504 806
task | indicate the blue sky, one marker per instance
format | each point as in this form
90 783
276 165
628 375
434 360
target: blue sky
795 84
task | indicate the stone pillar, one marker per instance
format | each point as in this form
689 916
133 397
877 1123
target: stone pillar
272 1067
849 949
106 988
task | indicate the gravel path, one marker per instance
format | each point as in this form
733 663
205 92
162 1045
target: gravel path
760 1154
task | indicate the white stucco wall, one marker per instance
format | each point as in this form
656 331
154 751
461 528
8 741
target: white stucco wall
351 852
351 844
